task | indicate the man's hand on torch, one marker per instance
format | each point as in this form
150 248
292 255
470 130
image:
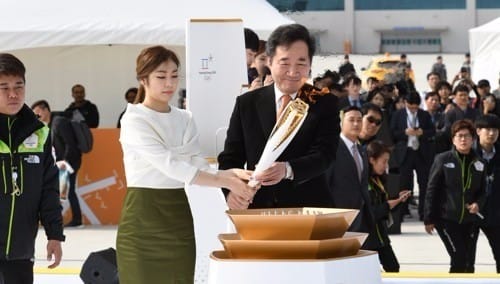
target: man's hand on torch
273 175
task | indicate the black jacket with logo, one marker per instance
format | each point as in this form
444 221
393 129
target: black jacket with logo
29 185
491 209
447 195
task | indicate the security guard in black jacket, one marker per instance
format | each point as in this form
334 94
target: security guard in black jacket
455 194
488 149
29 185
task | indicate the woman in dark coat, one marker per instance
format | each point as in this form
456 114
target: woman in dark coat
378 239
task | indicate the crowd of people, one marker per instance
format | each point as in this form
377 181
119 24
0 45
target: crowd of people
350 142
416 131
440 134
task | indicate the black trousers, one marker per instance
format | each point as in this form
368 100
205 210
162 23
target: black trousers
414 160
492 233
16 272
460 241
388 259
76 212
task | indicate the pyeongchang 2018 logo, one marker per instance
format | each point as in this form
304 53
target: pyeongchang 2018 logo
206 68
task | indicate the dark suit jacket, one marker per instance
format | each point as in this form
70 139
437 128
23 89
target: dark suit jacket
442 139
64 142
310 153
457 114
88 110
399 123
344 101
347 190
491 210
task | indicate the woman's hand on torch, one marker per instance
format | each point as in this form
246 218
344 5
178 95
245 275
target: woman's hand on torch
236 181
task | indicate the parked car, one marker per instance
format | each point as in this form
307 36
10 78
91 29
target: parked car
385 68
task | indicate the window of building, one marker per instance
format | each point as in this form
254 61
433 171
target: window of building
488 4
411 5
405 42
307 5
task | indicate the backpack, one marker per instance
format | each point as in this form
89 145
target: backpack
83 135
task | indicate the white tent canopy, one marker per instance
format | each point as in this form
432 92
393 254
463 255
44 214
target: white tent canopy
95 42
484 44
28 24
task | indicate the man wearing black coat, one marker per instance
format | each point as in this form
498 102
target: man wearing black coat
488 148
298 177
81 109
413 134
348 175
66 149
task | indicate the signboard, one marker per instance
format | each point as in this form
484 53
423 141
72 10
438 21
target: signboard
216 69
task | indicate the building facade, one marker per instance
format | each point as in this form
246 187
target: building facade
377 26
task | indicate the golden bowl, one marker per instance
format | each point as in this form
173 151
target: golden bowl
306 223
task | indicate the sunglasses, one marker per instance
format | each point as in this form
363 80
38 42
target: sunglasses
372 119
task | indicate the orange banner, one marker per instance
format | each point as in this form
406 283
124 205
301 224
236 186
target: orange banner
101 184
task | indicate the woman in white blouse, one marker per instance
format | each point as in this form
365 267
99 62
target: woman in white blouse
155 242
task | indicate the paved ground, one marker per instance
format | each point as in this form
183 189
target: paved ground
418 251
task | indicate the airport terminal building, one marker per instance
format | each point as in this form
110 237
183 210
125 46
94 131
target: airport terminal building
397 26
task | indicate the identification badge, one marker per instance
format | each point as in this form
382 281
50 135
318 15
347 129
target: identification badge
31 141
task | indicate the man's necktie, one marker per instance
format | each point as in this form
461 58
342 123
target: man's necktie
284 100
415 144
357 160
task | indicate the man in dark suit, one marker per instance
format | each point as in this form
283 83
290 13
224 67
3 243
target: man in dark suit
67 154
348 175
442 140
413 134
298 177
352 85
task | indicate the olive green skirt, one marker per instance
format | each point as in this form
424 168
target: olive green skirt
155 241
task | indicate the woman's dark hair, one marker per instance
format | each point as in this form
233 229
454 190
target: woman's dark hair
374 92
147 61
286 35
262 47
251 40
375 150
463 124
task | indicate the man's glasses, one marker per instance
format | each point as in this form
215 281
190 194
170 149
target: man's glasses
372 119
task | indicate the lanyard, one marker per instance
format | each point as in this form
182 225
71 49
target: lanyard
376 180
